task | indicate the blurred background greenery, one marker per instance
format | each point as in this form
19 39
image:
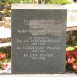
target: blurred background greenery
6 4
39 1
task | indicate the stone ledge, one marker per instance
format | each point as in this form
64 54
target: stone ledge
71 19
71 7
5 32
71 28
5 44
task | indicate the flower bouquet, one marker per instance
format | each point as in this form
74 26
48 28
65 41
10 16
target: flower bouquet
71 59
2 60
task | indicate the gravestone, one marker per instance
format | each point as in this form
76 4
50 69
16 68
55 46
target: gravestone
38 39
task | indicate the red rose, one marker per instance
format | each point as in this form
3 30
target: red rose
73 52
75 66
6 65
3 56
70 56
76 54
71 60
67 53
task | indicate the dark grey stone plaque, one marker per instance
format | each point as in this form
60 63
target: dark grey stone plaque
38 39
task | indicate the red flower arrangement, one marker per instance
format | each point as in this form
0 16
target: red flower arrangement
2 59
71 59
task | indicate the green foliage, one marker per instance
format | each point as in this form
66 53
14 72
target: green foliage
27 1
59 1
21 1
75 43
16 1
6 2
47 1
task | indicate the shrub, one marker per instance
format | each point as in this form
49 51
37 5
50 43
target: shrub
21 1
59 1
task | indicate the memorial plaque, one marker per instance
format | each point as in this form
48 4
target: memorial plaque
38 39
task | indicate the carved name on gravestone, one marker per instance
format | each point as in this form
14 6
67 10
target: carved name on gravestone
38 39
